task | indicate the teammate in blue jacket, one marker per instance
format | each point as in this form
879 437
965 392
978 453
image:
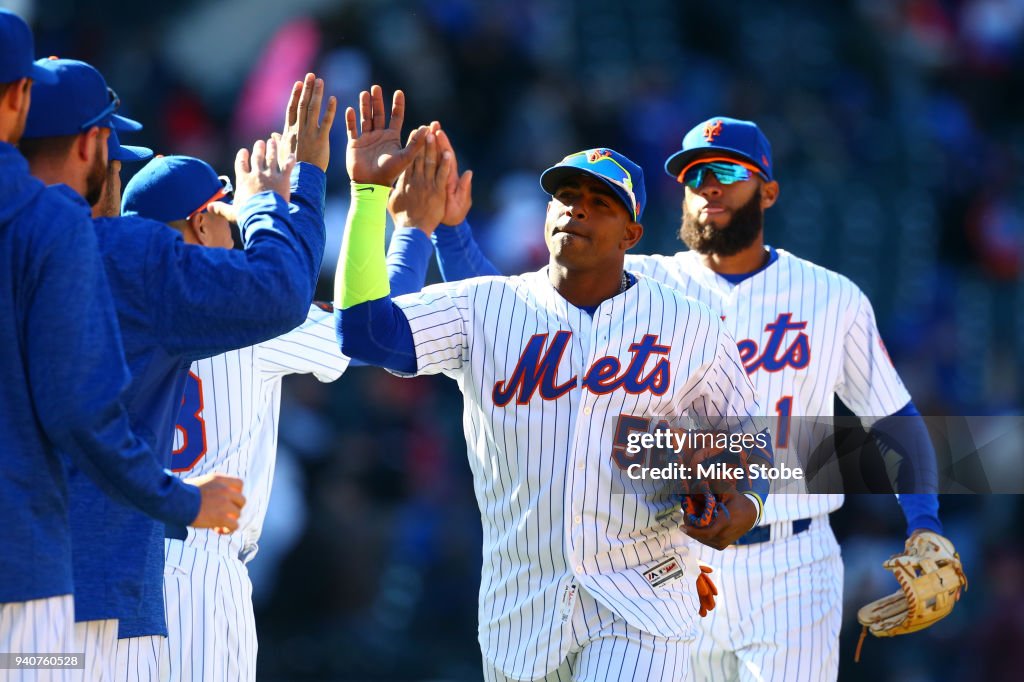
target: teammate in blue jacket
63 379
176 303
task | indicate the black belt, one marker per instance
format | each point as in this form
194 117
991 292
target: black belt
759 534
176 532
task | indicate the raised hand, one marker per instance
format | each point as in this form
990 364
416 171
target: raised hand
221 502
418 199
305 134
374 154
261 171
459 189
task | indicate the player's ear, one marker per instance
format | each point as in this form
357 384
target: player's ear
200 228
631 235
86 144
17 95
769 194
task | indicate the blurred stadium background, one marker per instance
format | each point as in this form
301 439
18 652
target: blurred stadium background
898 133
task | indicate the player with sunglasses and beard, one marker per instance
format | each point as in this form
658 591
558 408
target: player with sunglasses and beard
805 335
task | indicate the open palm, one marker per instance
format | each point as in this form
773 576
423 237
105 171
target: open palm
376 155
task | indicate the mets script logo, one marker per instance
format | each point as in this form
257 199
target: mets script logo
598 154
712 130
772 358
537 370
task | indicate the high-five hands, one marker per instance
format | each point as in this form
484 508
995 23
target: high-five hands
305 134
374 154
459 190
418 199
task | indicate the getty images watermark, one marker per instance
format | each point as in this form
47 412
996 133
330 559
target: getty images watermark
681 457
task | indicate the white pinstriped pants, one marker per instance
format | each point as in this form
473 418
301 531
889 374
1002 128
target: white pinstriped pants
97 640
608 649
141 659
39 626
211 625
778 611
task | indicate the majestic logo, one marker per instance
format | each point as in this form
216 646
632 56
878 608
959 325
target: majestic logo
771 359
537 370
712 129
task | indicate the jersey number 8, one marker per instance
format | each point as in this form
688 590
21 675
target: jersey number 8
191 428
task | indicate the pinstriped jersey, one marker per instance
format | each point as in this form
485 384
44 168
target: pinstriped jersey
805 333
229 418
544 386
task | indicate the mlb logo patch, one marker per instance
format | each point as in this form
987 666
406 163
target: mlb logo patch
668 570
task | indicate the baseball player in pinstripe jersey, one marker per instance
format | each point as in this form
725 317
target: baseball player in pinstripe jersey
805 334
229 422
580 580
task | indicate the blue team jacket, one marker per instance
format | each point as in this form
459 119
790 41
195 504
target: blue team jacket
177 303
62 372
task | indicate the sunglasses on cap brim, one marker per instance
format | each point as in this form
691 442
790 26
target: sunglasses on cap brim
727 170
225 192
610 170
112 106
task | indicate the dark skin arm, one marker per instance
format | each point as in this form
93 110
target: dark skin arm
737 518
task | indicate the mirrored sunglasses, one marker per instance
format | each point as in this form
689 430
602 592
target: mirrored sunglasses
727 172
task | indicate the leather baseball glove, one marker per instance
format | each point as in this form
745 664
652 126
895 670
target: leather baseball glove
700 507
930 576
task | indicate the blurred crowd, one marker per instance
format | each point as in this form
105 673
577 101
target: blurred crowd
898 144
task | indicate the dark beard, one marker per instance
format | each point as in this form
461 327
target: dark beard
95 181
746 224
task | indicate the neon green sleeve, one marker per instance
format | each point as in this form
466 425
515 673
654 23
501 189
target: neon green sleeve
362 273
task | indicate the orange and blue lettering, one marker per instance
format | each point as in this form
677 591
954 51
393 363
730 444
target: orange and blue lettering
537 369
797 355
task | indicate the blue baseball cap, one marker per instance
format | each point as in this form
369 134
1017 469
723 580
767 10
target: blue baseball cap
79 99
125 152
731 137
18 51
624 177
170 188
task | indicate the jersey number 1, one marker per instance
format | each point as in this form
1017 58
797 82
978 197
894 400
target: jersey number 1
191 427
783 408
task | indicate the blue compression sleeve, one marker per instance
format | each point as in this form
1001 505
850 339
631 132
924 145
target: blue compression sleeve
376 332
458 255
904 432
408 260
